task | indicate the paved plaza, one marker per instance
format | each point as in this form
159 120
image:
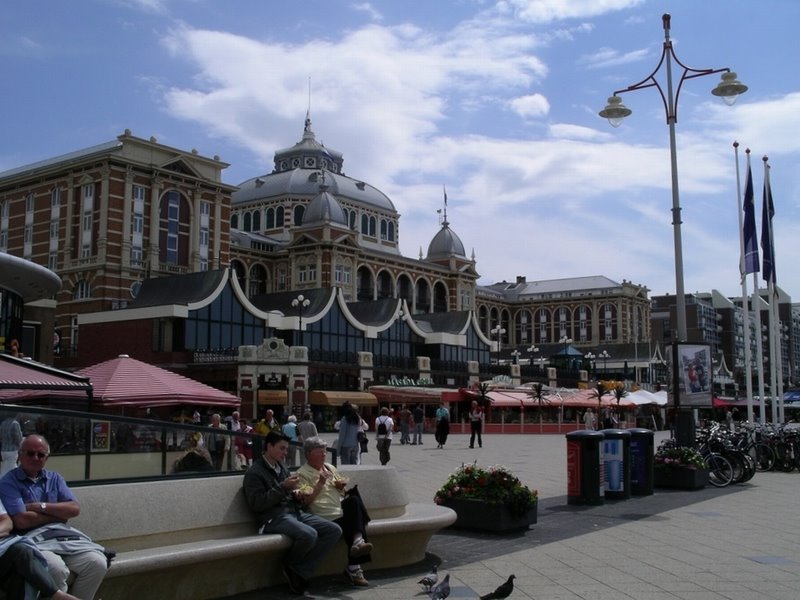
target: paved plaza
735 543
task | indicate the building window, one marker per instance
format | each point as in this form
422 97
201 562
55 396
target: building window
281 279
74 333
87 220
137 225
342 275
82 290
234 221
299 211
52 260
173 220
205 211
4 210
29 203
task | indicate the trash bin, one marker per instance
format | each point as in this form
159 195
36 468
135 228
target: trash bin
584 467
617 463
642 454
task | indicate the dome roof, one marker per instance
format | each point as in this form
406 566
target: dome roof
297 173
324 209
445 244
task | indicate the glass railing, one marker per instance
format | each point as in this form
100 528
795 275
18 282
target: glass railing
91 448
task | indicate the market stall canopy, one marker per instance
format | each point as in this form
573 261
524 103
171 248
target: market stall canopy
390 394
337 398
587 399
125 381
18 376
641 397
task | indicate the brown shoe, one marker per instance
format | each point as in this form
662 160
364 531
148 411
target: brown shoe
357 578
360 549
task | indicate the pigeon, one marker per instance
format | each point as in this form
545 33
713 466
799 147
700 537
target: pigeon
429 580
503 590
442 589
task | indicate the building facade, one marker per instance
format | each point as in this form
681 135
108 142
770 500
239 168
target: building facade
107 217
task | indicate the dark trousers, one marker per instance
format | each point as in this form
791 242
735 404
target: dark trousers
21 563
442 431
383 450
353 522
475 428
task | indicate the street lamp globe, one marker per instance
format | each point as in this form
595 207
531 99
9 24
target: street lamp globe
615 111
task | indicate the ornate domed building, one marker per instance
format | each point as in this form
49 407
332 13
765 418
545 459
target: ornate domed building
308 225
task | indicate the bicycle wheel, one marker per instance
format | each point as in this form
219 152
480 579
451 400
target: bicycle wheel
765 457
749 467
783 457
720 470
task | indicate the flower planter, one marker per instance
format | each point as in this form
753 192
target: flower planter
680 478
484 516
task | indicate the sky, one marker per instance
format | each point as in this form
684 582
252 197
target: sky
494 100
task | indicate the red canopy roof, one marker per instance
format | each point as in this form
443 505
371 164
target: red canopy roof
125 381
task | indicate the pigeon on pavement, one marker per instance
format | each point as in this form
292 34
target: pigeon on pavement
503 590
429 580
442 589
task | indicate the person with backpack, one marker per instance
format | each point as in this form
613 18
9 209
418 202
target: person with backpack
384 426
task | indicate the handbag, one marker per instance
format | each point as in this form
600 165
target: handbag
362 437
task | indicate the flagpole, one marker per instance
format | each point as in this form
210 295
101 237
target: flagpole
748 363
775 328
759 348
768 273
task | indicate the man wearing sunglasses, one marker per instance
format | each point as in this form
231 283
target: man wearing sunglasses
40 503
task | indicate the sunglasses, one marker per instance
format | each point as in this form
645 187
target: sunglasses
33 453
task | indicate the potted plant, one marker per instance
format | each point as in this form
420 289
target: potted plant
488 499
679 467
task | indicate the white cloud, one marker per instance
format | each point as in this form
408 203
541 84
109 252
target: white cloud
534 105
367 7
546 11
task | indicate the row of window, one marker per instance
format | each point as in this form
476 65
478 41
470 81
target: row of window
274 219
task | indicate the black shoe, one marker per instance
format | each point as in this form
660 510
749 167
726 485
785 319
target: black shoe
297 584
472 446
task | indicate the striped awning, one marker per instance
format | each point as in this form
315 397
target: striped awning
23 374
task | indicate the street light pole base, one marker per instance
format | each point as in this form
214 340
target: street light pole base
684 427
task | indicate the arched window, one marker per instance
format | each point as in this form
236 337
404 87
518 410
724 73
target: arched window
235 221
279 217
364 224
247 222
390 232
270 224
256 220
373 225
299 211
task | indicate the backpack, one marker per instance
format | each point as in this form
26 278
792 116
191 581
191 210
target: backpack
382 427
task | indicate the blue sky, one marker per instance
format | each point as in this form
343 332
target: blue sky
496 99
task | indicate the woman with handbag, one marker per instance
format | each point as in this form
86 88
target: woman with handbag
349 426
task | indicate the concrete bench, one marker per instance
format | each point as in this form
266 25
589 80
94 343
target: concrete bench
196 539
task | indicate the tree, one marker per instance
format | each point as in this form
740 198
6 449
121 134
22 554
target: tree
483 395
537 395
619 392
599 392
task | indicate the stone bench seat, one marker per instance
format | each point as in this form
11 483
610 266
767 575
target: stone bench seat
195 538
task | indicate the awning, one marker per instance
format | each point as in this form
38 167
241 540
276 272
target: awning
337 398
272 397
390 394
721 402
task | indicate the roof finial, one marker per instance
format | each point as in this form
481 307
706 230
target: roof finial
444 218
307 128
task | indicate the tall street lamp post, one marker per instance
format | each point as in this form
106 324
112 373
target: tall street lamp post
590 356
727 89
301 304
605 356
532 349
566 341
498 333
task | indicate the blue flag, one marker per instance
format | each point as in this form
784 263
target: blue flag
767 243
749 229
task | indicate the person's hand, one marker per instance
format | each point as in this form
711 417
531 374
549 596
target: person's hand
340 483
290 482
